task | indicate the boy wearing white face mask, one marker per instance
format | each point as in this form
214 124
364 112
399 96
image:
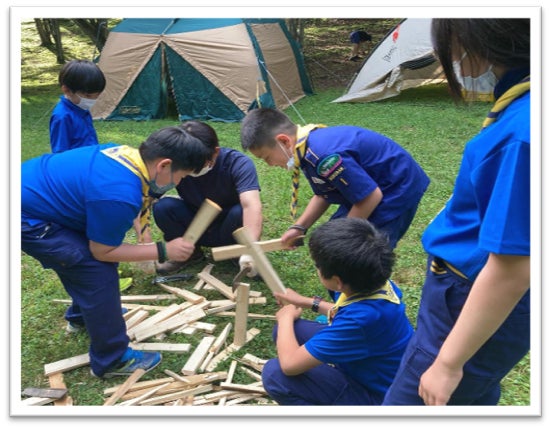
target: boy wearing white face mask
230 180
71 124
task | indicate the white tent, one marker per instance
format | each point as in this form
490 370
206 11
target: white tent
403 59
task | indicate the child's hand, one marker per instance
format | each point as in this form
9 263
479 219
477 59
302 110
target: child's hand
290 297
289 311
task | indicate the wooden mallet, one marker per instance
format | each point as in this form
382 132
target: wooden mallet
204 217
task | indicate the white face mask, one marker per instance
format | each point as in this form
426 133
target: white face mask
203 171
86 103
485 83
290 161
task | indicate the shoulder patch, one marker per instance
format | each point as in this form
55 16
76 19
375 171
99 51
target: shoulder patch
329 164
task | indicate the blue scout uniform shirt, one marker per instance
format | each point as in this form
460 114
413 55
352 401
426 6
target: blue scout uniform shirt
84 190
489 210
71 127
344 164
232 174
366 340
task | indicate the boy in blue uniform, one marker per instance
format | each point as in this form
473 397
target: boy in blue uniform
367 174
77 206
71 124
229 179
473 324
351 361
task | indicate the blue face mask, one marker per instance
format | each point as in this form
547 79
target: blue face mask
156 190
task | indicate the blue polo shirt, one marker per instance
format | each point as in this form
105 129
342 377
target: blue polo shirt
81 189
366 340
344 164
489 210
71 127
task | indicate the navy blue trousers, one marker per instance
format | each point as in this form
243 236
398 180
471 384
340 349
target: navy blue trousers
173 216
442 299
93 286
322 385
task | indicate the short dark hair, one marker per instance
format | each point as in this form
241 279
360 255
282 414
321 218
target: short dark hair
82 76
260 126
203 132
186 151
354 250
504 42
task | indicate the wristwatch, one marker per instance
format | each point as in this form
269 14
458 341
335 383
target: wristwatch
316 303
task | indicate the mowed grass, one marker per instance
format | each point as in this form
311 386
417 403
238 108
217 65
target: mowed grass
424 121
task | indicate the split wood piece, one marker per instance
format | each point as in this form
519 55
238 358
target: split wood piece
221 339
34 400
57 382
146 395
203 326
177 395
243 398
252 301
222 253
203 218
136 319
140 298
131 312
162 347
197 356
175 376
221 309
190 381
231 372
131 380
243 388
223 288
262 264
252 374
66 364
225 354
159 317
251 315
201 283
241 311
187 316
182 293
131 306
253 361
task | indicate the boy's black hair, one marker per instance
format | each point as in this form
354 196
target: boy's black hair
260 126
203 132
354 250
186 151
82 76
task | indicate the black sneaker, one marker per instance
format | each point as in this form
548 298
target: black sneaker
354 58
130 362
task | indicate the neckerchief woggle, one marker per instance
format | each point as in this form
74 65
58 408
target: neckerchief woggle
298 154
131 159
507 98
386 292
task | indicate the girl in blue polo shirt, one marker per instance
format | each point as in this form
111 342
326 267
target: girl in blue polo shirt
473 324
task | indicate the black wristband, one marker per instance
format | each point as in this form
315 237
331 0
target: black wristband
161 251
301 228
316 303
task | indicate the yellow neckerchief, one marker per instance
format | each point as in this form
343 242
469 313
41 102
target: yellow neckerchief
298 154
131 159
507 98
386 292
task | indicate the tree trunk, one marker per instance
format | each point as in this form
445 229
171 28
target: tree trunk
95 29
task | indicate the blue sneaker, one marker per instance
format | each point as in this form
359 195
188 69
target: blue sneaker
131 361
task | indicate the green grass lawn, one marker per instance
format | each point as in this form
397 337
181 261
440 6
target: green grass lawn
424 121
